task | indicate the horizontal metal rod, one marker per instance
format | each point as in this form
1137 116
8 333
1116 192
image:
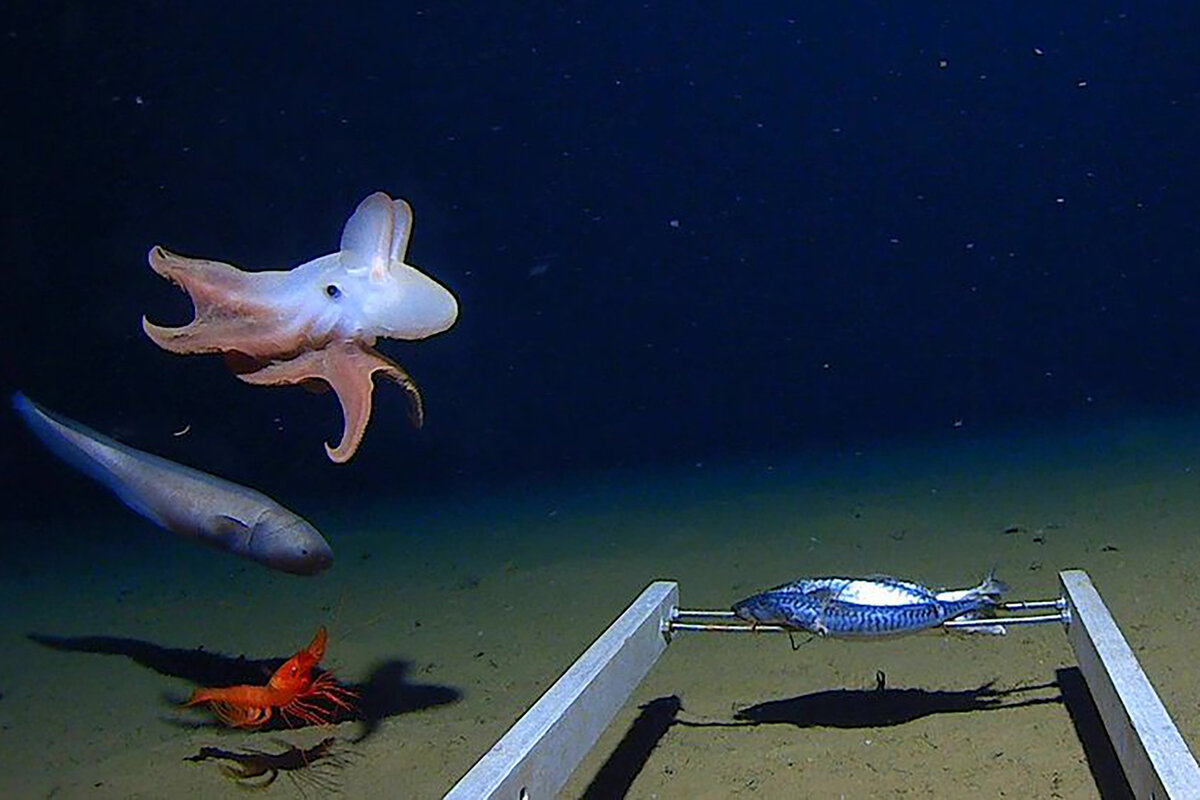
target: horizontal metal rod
1029 605
708 626
1015 605
987 622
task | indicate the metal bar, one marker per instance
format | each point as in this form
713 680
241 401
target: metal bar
1155 758
708 626
539 753
1029 605
986 622
680 620
1014 605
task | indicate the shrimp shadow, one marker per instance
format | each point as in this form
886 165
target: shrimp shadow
386 692
881 707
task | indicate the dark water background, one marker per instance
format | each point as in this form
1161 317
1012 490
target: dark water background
678 232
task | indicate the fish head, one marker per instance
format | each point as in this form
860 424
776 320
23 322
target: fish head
289 543
761 608
376 292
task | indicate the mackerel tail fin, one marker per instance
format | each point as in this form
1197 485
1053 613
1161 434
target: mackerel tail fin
991 586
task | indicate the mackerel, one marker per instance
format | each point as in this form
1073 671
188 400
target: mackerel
865 607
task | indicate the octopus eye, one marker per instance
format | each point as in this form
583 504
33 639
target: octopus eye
333 291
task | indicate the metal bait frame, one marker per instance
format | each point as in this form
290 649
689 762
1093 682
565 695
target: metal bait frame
683 619
539 753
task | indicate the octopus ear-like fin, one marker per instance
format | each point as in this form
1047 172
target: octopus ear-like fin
367 237
348 368
401 230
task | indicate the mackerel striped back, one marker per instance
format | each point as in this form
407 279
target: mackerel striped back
855 607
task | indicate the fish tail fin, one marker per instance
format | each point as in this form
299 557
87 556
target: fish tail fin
50 431
991 586
21 404
89 452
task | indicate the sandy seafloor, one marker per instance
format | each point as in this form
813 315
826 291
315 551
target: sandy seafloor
459 610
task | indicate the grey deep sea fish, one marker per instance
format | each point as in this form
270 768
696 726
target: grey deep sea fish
183 500
865 607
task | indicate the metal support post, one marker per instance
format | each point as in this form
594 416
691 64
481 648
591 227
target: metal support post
1155 758
536 757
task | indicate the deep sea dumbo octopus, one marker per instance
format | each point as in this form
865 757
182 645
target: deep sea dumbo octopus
318 321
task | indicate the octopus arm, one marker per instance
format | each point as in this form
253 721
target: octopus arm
348 367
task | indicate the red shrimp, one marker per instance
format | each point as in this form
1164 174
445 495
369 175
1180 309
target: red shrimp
292 689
